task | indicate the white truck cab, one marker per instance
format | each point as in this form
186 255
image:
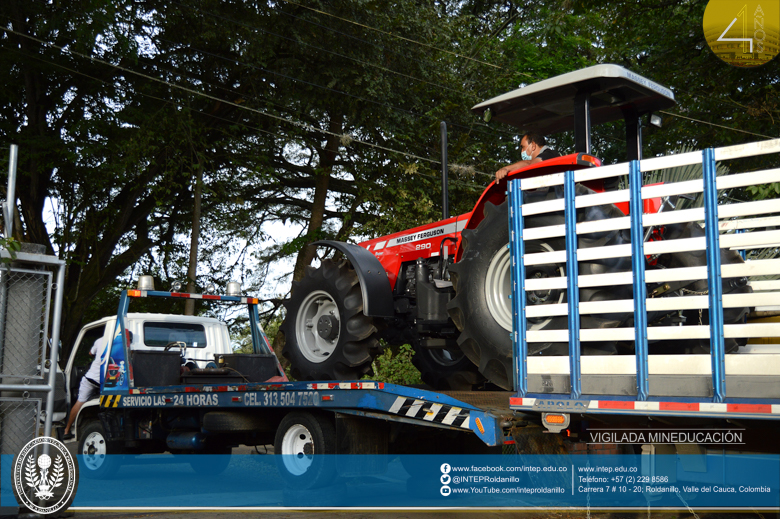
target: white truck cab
204 338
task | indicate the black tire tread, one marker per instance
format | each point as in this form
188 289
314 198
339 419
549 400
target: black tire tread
357 342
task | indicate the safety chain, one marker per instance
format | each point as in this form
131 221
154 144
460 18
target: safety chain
687 505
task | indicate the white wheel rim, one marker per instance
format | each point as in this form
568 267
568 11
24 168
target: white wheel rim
297 450
315 348
94 451
498 289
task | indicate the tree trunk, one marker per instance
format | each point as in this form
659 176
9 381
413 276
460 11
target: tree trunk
189 305
327 160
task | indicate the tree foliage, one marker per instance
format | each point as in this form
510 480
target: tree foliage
322 116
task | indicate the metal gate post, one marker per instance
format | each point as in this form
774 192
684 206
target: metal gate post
517 253
572 284
717 340
640 289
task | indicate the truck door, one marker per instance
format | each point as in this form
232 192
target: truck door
80 358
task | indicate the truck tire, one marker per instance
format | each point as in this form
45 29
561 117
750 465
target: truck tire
327 336
213 460
98 459
303 441
446 368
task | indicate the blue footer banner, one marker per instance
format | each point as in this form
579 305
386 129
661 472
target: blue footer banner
709 480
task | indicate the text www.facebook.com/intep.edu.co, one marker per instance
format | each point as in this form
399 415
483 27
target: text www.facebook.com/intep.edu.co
495 479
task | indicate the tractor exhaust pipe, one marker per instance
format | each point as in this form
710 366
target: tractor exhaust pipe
445 209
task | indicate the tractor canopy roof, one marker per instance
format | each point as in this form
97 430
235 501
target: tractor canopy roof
549 106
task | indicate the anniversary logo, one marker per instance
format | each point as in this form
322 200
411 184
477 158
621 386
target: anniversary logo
45 479
743 34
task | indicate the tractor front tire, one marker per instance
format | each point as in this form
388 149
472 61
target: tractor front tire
327 336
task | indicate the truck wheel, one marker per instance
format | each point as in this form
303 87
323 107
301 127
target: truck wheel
212 461
446 368
301 441
481 308
327 336
98 460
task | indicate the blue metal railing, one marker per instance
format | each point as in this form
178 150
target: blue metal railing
517 251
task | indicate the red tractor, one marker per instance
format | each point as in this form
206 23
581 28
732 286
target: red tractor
444 287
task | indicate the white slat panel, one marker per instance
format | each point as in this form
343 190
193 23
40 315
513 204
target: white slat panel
751 268
752 330
546 310
671 161
549 365
680 245
677 188
541 233
748 179
670 217
752 364
543 258
547 335
749 223
736 364
586 308
679 365
547 206
750 239
754 299
607 334
609 197
607 224
545 284
747 150
729 301
600 280
767 284
613 170
608 364
761 207
660 333
608 251
555 179
680 274
677 303
607 307
751 247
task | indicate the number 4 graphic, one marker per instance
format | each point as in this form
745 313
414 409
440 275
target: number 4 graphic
742 13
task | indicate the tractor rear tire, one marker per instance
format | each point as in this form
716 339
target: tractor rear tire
481 308
327 336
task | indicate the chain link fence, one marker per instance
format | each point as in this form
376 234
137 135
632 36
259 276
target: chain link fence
25 295
24 321
19 418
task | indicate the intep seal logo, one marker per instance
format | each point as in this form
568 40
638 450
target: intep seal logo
45 476
743 33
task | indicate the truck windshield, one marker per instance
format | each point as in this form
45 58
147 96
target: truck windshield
162 334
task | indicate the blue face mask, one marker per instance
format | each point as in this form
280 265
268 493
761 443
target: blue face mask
525 156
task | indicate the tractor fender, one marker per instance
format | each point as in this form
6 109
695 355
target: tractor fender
374 284
495 193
